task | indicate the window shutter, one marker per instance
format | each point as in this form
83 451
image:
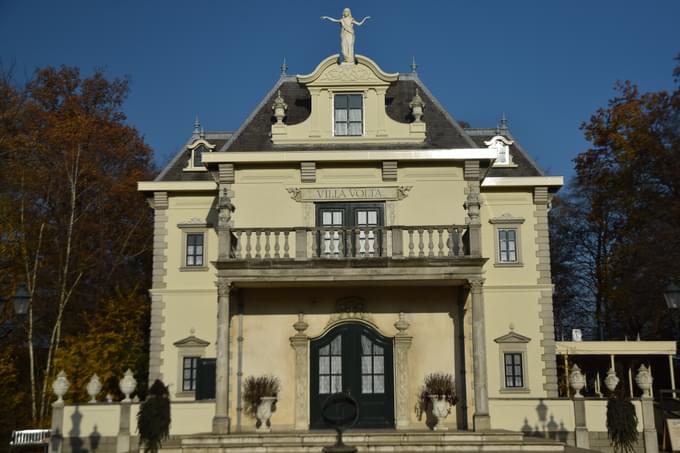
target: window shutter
205 379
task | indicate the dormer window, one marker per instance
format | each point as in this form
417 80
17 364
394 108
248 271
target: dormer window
198 152
502 147
349 116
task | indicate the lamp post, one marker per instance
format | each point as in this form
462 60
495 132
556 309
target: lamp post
21 300
672 296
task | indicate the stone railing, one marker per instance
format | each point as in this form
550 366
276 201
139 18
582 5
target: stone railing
304 243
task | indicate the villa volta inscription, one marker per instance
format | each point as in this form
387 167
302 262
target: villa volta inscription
348 193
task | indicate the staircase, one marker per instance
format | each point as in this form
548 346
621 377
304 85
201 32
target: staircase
375 441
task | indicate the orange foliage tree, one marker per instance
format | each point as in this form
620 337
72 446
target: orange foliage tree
73 229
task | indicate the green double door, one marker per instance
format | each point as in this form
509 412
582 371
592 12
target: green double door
355 359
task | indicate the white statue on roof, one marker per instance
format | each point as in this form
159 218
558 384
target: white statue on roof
347 24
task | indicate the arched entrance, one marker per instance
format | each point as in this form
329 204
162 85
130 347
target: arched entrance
353 357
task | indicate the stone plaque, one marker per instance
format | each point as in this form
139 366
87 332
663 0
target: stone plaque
673 430
308 194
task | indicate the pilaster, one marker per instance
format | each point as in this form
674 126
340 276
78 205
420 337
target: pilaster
221 422
402 344
542 242
580 423
225 208
482 421
57 427
300 343
472 174
123 438
159 272
648 426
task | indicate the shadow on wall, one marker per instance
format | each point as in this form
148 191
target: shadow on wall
75 439
546 427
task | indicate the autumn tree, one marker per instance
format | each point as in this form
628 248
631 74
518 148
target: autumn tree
75 230
616 231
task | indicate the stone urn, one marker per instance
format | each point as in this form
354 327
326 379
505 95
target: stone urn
60 386
440 410
644 380
264 413
611 381
93 388
577 381
127 385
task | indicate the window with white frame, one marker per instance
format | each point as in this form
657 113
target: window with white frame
189 351
514 375
194 249
348 114
189 366
512 350
507 243
194 245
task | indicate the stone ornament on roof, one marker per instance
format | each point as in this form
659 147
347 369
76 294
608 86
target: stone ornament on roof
417 106
279 107
347 38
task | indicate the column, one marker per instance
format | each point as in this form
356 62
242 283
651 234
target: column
300 343
402 343
221 420
481 417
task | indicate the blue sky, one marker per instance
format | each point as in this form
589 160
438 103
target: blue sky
547 64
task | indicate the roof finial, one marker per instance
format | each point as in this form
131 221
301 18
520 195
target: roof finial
414 66
197 129
202 135
284 67
504 122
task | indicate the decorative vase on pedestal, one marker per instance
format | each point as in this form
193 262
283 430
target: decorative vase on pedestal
644 380
611 381
264 413
93 388
440 410
127 385
60 386
577 381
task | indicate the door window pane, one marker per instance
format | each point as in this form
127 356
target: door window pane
372 367
336 383
330 366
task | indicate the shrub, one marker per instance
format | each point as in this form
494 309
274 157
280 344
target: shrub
621 425
153 419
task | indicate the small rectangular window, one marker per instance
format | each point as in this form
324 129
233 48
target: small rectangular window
514 376
348 115
189 366
507 246
194 252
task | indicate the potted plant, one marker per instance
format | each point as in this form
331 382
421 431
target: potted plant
439 394
259 395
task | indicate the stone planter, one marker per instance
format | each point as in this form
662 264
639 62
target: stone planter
440 410
264 413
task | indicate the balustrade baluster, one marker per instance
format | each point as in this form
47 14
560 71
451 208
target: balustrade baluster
410 242
277 247
286 246
248 246
237 249
440 233
459 233
258 246
267 246
430 242
421 243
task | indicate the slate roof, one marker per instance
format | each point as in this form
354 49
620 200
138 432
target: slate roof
443 131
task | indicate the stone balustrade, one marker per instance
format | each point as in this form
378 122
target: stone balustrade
305 243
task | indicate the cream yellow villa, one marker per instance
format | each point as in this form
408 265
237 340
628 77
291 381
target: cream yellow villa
351 236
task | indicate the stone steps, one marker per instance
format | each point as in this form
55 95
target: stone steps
374 442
